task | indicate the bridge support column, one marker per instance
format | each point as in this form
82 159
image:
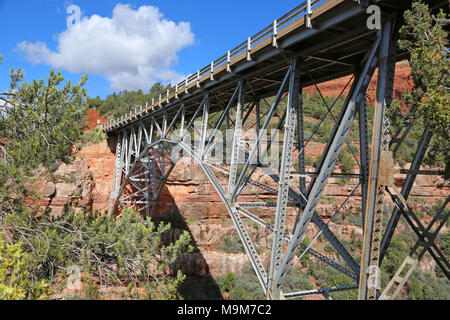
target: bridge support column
380 170
285 176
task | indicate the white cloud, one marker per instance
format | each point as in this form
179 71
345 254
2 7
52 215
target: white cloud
132 49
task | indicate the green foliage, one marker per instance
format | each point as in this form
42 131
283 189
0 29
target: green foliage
91 291
117 104
229 282
240 168
346 161
324 132
358 243
354 220
309 161
42 120
444 241
94 103
246 287
231 245
329 277
395 255
114 251
297 280
426 40
423 286
338 219
40 124
305 259
408 148
15 284
395 114
315 107
328 248
94 135
329 199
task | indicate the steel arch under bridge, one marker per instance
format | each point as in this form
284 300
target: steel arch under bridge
259 86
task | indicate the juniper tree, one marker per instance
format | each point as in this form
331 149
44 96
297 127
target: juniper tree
41 121
424 37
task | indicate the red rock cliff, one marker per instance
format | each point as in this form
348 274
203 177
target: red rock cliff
403 81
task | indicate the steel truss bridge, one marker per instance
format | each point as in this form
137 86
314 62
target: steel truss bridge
315 42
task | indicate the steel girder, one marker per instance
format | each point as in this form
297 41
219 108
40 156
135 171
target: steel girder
407 187
381 162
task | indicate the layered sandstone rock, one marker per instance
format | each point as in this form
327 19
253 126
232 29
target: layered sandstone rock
99 158
85 182
70 183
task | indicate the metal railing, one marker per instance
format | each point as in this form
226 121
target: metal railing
305 9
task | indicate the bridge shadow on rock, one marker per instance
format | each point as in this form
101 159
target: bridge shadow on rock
199 283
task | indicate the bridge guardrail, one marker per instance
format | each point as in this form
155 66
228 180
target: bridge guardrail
304 9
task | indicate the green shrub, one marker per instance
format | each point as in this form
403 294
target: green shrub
309 161
338 219
94 135
15 282
232 245
328 248
323 133
444 241
328 277
305 259
91 291
354 220
395 255
114 251
297 281
247 286
315 107
346 161
229 281
423 286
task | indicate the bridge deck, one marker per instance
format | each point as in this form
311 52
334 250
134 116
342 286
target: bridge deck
332 47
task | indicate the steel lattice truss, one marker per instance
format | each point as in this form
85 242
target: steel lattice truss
150 145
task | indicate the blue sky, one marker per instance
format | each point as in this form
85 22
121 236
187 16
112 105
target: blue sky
195 32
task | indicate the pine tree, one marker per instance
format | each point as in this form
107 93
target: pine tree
424 37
